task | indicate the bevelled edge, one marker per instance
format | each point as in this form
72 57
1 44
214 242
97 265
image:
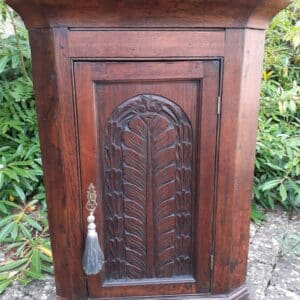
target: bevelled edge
148 13
240 293
30 12
263 13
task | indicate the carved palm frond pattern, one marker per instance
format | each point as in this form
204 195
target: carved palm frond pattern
148 178
113 203
164 169
134 145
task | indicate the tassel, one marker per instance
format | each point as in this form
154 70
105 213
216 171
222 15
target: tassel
93 257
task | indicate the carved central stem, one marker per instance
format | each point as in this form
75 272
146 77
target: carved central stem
149 203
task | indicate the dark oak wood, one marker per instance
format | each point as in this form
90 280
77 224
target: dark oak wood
205 43
240 293
56 120
156 103
236 155
156 237
148 170
148 13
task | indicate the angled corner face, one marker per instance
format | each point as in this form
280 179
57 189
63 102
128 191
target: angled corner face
240 103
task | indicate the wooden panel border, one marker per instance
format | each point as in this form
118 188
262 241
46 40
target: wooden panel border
146 43
208 72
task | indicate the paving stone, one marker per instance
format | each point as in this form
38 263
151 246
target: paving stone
286 274
37 290
258 276
269 276
285 281
253 229
279 293
267 241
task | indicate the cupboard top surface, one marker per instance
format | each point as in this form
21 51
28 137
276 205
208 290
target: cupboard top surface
148 13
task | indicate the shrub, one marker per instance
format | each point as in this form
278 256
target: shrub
23 223
277 166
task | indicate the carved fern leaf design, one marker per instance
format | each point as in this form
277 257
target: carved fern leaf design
183 199
114 254
164 138
134 146
148 185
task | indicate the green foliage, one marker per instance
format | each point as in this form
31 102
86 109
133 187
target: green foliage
277 168
25 233
291 244
23 223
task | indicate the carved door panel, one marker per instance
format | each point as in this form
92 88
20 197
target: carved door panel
147 139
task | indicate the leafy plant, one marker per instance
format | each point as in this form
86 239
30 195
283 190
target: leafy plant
277 167
23 223
25 233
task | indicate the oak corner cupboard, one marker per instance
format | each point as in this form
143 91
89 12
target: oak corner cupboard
152 107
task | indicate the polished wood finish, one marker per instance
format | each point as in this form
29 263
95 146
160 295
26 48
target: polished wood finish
56 120
148 13
139 180
156 103
242 69
205 43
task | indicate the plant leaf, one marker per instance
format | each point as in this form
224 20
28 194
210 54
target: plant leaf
24 280
270 184
3 63
10 265
35 262
20 192
4 284
14 231
6 231
283 192
47 269
34 275
45 250
32 223
25 231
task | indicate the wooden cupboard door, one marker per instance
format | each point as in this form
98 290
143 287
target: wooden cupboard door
147 139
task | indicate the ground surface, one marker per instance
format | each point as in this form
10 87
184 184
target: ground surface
270 275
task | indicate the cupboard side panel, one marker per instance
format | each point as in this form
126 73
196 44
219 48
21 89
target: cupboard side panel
246 146
236 156
58 143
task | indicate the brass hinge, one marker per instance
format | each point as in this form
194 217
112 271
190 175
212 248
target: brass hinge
219 105
212 262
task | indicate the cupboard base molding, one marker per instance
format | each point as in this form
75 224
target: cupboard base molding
240 293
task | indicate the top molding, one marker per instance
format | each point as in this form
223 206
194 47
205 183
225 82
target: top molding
148 13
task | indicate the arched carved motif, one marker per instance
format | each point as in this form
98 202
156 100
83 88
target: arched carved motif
147 190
